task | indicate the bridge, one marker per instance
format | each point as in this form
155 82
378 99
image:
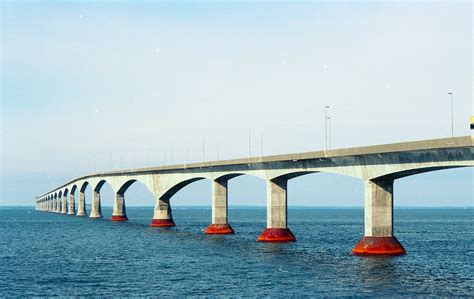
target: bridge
378 166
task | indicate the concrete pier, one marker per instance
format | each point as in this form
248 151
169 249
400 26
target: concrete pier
378 221
96 211
277 230
162 216
72 204
219 224
119 213
57 202
81 205
64 203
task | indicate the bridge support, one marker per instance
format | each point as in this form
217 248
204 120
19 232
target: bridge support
118 213
277 230
162 214
63 205
219 225
95 206
81 205
72 205
57 208
378 236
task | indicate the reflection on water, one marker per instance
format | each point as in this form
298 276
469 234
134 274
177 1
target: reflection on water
44 254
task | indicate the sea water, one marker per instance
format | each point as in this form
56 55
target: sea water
49 254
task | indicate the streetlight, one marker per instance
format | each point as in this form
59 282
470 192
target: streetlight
326 126
452 114
203 149
250 143
187 154
329 132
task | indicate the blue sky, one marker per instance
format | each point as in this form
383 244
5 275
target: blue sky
93 86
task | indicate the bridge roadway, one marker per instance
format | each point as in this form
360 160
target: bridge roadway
378 166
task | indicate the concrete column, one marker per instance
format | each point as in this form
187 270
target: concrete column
81 205
95 206
119 213
378 210
162 214
277 230
57 205
63 204
378 225
72 205
219 223
49 205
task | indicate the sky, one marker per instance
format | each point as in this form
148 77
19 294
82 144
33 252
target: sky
91 86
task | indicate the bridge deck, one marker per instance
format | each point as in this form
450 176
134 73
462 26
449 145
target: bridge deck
454 142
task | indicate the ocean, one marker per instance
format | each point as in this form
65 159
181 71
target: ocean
48 254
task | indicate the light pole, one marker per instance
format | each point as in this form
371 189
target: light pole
329 132
250 143
452 114
203 149
187 154
172 155
326 126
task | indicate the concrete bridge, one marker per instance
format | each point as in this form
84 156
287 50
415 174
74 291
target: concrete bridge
378 166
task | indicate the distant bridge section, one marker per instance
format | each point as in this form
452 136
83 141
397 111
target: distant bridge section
378 166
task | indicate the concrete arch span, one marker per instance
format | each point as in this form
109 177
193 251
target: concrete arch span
417 170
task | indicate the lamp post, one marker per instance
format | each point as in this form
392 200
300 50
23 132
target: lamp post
329 132
452 114
326 126
203 149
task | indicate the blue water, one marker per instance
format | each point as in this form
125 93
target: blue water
45 254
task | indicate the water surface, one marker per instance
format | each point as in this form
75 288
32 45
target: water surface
47 254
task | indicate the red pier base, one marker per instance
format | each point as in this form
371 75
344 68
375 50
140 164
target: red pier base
119 218
378 246
162 223
219 229
276 235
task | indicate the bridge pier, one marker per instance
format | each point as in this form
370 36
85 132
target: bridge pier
63 205
162 214
57 208
118 213
72 205
81 205
378 215
277 230
95 206
219 225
